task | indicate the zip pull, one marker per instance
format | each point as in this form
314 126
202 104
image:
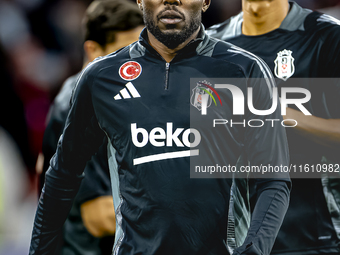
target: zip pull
167 68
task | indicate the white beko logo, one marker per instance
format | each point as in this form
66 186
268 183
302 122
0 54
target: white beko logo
284 65
125 92
159 137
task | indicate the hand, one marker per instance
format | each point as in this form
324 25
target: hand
99 216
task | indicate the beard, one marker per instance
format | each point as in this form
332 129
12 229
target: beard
172 38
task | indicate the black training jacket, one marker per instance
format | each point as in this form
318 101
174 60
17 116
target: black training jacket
306 45
152 114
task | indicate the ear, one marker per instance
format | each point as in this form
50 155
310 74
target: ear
92 50
140 4
206 4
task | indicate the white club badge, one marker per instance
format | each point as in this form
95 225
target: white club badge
284 65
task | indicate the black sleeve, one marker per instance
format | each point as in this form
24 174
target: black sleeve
270 209
55 124
329 66
97 180
266 146
52 133
329 32
81 138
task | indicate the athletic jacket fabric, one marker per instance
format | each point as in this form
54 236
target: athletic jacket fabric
310 42
76 239
142 105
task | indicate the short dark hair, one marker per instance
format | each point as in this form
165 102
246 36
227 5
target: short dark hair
103 18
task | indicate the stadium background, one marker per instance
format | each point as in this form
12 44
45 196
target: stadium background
40 46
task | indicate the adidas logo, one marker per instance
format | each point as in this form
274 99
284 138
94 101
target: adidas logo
125 92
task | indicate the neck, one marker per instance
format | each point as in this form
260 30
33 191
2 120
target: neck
261 17
165 52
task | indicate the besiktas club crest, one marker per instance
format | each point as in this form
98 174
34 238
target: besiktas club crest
284 65
201 95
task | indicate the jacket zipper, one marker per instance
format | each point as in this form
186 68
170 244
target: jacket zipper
167 67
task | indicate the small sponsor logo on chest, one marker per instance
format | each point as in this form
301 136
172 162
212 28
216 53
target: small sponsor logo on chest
128 92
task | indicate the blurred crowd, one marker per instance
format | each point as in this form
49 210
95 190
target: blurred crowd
40 46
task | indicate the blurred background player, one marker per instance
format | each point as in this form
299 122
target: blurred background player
15 200
299 43
89 229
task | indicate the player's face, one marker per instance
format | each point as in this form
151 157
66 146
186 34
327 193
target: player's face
260 8
173 21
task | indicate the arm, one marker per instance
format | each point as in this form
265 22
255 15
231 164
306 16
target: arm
325 132
56 118
270 209
95 196
98 216
265 146
80 140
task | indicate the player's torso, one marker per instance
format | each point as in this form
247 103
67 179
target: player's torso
294 57
297 59
165 100
152 114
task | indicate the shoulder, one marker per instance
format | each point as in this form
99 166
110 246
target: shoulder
246 60
325 30
62 100
228 29
252 66
68 86
92 70
111 59
325 19
321 23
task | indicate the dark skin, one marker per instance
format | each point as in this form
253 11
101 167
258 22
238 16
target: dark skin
180 16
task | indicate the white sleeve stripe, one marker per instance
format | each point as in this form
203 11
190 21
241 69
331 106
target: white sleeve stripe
263 67
264 64
329 19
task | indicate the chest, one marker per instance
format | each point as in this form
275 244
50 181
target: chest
290 54
160 109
